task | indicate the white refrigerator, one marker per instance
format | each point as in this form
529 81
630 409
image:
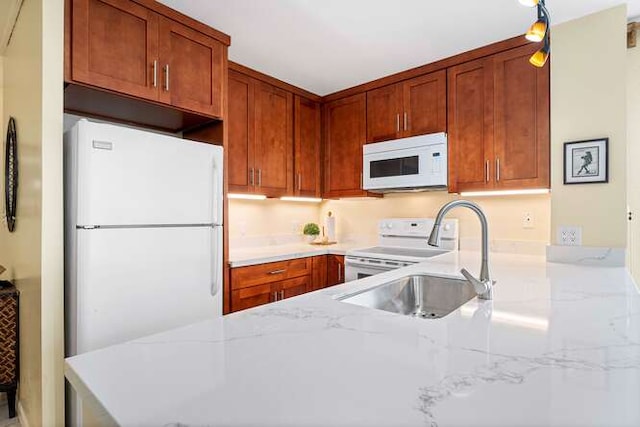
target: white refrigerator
143 234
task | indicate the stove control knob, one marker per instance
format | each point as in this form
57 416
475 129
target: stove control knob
389 226
446 227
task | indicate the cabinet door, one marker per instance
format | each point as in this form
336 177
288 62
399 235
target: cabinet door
307 147
254 296
470 116
293 287
521 121
191 65
345 133
273 153
319 273
425 104
384 118
240 123
335 270
115 46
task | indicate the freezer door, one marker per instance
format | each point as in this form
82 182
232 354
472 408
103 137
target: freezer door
135 282
130 177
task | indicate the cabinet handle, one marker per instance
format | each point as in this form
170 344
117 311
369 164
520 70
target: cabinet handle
250 176
259 177
486 171
277 271
406 121
398 122
339 273
299 181
166 77
282 294
155 73
497 169
275 296
361 181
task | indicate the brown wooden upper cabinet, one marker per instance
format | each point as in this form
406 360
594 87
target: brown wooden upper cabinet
414 107
498 122
345 132
260 137
307 136
122 46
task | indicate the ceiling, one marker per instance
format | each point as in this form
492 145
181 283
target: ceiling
328 45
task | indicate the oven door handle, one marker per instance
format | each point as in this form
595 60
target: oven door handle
372 266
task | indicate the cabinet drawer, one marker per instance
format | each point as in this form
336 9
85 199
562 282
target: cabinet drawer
251 297
244 277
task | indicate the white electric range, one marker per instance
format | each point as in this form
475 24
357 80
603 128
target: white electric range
402 242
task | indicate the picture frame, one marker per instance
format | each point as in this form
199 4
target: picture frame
586 162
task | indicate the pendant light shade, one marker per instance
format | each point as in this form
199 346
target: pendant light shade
537 30
539 58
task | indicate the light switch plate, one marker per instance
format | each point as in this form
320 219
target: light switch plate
569 235
527 220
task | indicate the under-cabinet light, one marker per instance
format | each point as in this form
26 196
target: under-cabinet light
301 199
504 192
246 196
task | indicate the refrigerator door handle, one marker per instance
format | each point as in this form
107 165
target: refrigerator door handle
217 192
217 259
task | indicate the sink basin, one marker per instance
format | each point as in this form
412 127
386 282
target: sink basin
425 296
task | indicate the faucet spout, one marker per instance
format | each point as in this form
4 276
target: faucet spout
485 291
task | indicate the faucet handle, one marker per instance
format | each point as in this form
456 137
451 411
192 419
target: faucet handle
480 287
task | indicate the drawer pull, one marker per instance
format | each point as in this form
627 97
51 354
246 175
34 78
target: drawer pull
277 271
281 295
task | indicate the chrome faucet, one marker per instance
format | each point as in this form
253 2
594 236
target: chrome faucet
484 285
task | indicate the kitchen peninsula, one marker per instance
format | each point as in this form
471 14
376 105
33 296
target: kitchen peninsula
558 345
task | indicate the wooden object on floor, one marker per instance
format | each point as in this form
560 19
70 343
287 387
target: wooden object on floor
9 344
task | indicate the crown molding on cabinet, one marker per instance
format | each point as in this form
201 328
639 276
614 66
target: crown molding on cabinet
273 81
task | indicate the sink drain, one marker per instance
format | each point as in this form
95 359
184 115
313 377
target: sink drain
425 315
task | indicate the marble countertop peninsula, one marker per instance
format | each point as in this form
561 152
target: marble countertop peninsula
559 345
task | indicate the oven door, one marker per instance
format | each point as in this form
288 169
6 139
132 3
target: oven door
417 167
355 269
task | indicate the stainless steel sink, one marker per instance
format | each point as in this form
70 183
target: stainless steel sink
425 296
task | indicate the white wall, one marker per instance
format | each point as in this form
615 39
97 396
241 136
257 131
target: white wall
588 100
32 93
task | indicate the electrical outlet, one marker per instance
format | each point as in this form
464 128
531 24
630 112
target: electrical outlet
296 227
242 226
570 236
527 220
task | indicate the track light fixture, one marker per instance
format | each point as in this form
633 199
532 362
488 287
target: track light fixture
539 32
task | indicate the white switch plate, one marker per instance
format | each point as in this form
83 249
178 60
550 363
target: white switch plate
527 220
569 235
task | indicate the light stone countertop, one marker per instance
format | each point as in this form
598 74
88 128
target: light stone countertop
243 257
559 345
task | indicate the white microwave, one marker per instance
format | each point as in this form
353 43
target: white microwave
408 164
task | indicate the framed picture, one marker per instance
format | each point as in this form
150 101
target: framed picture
586 162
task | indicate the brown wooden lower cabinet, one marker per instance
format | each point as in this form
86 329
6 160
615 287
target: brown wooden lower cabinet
335 269
260 284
